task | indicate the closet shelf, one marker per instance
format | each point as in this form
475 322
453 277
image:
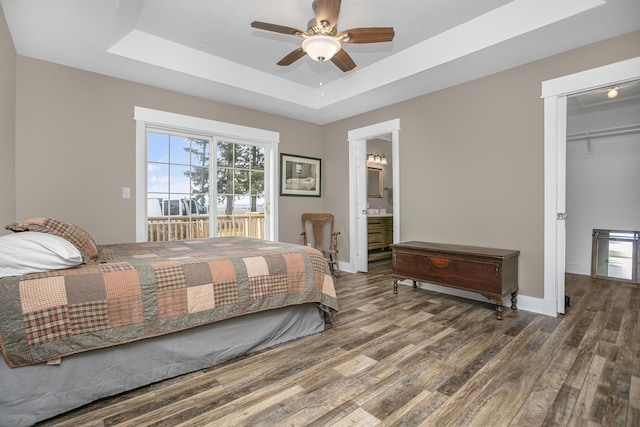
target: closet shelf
620 130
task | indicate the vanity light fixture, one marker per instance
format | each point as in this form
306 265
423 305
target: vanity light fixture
377 158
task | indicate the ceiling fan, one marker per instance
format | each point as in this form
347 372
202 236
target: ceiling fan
322 41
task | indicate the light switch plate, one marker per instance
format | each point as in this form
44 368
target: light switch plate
126 192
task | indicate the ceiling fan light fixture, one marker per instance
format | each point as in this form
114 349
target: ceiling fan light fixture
320 47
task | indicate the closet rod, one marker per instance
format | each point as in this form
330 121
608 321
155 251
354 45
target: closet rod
620 130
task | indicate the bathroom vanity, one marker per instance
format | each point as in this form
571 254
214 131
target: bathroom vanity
379 236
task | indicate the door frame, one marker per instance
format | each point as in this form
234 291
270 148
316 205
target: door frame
357 139
554 93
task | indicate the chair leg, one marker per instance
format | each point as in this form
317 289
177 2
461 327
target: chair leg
333 265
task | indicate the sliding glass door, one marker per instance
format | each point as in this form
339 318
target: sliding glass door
182 203
240 189
198 178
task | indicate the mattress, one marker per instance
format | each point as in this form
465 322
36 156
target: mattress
41 391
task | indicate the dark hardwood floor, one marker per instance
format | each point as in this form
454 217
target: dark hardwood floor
416 358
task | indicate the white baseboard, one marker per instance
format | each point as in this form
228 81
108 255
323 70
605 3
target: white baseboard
582 269
526 303
347 267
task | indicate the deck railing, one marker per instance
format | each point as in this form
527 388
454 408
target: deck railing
162 228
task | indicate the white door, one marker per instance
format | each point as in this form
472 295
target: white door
555 125
562 201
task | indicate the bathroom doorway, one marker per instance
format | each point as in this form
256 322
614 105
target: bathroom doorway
358 251
379 198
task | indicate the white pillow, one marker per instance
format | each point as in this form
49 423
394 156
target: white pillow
33 252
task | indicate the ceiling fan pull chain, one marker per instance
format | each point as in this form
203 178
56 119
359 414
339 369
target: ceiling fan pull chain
321 72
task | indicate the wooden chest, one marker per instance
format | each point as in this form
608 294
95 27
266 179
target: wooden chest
492 273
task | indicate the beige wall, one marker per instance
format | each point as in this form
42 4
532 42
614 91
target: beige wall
7 126
471 158
76 146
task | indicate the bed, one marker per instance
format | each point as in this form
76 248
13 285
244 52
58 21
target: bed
133 314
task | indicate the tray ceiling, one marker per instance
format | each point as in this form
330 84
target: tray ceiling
208 49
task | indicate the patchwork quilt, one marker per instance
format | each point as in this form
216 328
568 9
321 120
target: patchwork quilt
144 290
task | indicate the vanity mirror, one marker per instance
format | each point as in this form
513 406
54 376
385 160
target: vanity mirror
374 182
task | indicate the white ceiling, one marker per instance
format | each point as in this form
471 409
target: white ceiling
597 100
208 49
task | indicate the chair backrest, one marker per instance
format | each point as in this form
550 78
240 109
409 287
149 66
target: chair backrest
318 229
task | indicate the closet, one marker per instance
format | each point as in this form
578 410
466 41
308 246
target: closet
602 192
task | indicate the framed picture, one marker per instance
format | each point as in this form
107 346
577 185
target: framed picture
299 176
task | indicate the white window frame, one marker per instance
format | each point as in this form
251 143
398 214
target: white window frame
147 118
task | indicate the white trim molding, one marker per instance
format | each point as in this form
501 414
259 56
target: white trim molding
531 304
554 93
357 139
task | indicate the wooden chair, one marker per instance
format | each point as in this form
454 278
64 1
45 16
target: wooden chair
322 237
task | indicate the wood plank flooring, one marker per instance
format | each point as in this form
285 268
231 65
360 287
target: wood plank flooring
418 358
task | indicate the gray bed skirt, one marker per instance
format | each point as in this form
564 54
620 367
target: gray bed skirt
37 392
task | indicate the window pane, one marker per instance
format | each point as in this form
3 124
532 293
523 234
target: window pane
224 205
257 182
259 202
257 158
154 204
199 180
241 182
199 152
243 156
179 150
157 147
241 205
157 178
224 153
179 179
171 207
225 181
199 203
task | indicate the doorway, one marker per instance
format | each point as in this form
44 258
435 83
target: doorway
554 93
603 153
358 251
379 199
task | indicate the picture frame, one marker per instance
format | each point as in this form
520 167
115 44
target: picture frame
300 175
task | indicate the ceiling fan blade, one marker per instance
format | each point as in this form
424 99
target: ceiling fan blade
327 10
292 57
343 61
368 35
277 28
